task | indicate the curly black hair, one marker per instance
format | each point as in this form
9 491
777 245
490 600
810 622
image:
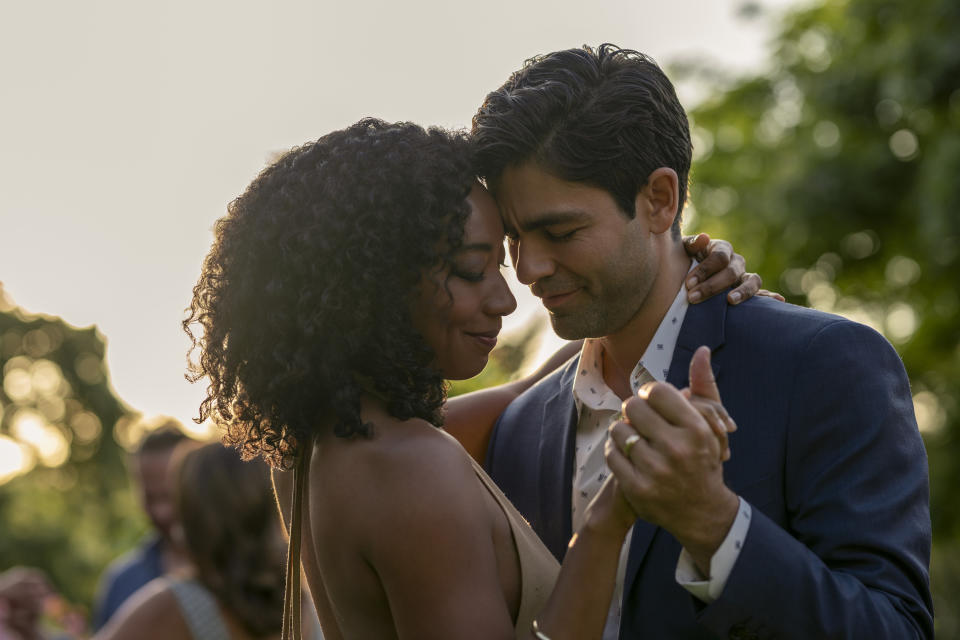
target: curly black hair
304 299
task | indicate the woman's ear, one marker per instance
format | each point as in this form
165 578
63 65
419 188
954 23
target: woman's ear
660 196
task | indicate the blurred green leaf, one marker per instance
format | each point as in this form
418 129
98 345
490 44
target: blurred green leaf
835 173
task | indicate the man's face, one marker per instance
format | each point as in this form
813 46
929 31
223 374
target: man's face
591 265
156 490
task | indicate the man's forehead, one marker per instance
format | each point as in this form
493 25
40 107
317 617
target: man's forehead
528 195
554 218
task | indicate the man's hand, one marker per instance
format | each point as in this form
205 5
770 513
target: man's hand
704 395
673 476
720 267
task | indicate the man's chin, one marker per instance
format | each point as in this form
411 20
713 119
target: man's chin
573 327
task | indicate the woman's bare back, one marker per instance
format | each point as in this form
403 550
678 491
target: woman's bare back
399 538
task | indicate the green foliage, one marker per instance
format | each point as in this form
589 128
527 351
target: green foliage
73 512
835 173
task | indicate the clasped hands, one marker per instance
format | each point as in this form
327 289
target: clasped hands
667 458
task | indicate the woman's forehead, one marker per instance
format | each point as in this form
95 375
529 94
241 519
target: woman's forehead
484 225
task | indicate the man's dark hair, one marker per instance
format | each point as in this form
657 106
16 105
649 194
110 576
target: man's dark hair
608 117
165 437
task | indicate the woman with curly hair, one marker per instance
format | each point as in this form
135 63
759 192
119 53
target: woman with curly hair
234 589
350 279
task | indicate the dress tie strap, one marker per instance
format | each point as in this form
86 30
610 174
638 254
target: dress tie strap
292 596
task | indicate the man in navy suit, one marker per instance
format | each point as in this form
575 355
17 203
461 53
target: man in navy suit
818 526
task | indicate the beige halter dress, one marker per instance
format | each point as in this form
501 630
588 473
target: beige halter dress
538 567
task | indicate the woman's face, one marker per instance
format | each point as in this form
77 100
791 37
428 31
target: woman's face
459 309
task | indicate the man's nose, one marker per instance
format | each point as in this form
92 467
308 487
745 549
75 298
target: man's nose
531 261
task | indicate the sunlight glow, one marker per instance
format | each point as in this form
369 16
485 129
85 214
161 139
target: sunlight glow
905 145
89 368
204 431
861 244
902 271
931 416
17 385
32 429
86 426
14 459
815 49
46 378
901 322
826 134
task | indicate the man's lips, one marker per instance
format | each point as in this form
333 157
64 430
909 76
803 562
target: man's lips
555 300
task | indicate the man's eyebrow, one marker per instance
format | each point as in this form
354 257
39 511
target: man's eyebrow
550 218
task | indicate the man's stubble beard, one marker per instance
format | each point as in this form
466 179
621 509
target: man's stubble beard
614 307
603 316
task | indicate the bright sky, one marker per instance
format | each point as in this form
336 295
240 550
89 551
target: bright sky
127 127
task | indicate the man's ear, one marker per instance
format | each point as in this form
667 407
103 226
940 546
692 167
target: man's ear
660 195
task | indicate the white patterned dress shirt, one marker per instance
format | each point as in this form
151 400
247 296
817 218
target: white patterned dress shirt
597 408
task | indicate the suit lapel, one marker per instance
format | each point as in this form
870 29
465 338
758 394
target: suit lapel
702 325
555 460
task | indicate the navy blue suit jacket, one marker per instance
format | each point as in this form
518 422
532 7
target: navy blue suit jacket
827 453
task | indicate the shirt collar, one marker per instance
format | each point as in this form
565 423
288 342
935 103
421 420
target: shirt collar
589 387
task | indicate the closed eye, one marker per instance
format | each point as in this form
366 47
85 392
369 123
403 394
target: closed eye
469 276
561 236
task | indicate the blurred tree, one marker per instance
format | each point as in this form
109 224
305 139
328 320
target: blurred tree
835 173
65 504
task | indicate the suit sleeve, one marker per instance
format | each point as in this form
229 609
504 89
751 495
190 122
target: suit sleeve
853 560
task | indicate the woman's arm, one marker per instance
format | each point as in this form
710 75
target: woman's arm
574 612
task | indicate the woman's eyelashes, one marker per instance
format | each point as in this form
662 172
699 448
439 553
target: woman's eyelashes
474 274
469 276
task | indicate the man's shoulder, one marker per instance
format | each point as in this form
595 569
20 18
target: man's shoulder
546 388
125 575
764 331
137 562
789 324
765 310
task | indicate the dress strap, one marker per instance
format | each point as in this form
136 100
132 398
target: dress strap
292 597
200 610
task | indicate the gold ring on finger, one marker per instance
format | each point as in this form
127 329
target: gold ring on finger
629 442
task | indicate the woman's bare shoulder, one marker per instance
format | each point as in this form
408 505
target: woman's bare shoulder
151 612
407 468
398 456
406 456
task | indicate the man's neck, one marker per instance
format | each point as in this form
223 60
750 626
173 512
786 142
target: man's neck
623 349
173 557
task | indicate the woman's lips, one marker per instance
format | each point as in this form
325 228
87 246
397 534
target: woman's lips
487 340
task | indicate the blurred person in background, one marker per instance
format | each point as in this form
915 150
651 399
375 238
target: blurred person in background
158 554
235 585
23 591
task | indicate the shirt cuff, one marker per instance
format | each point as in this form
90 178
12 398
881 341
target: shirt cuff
709 589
